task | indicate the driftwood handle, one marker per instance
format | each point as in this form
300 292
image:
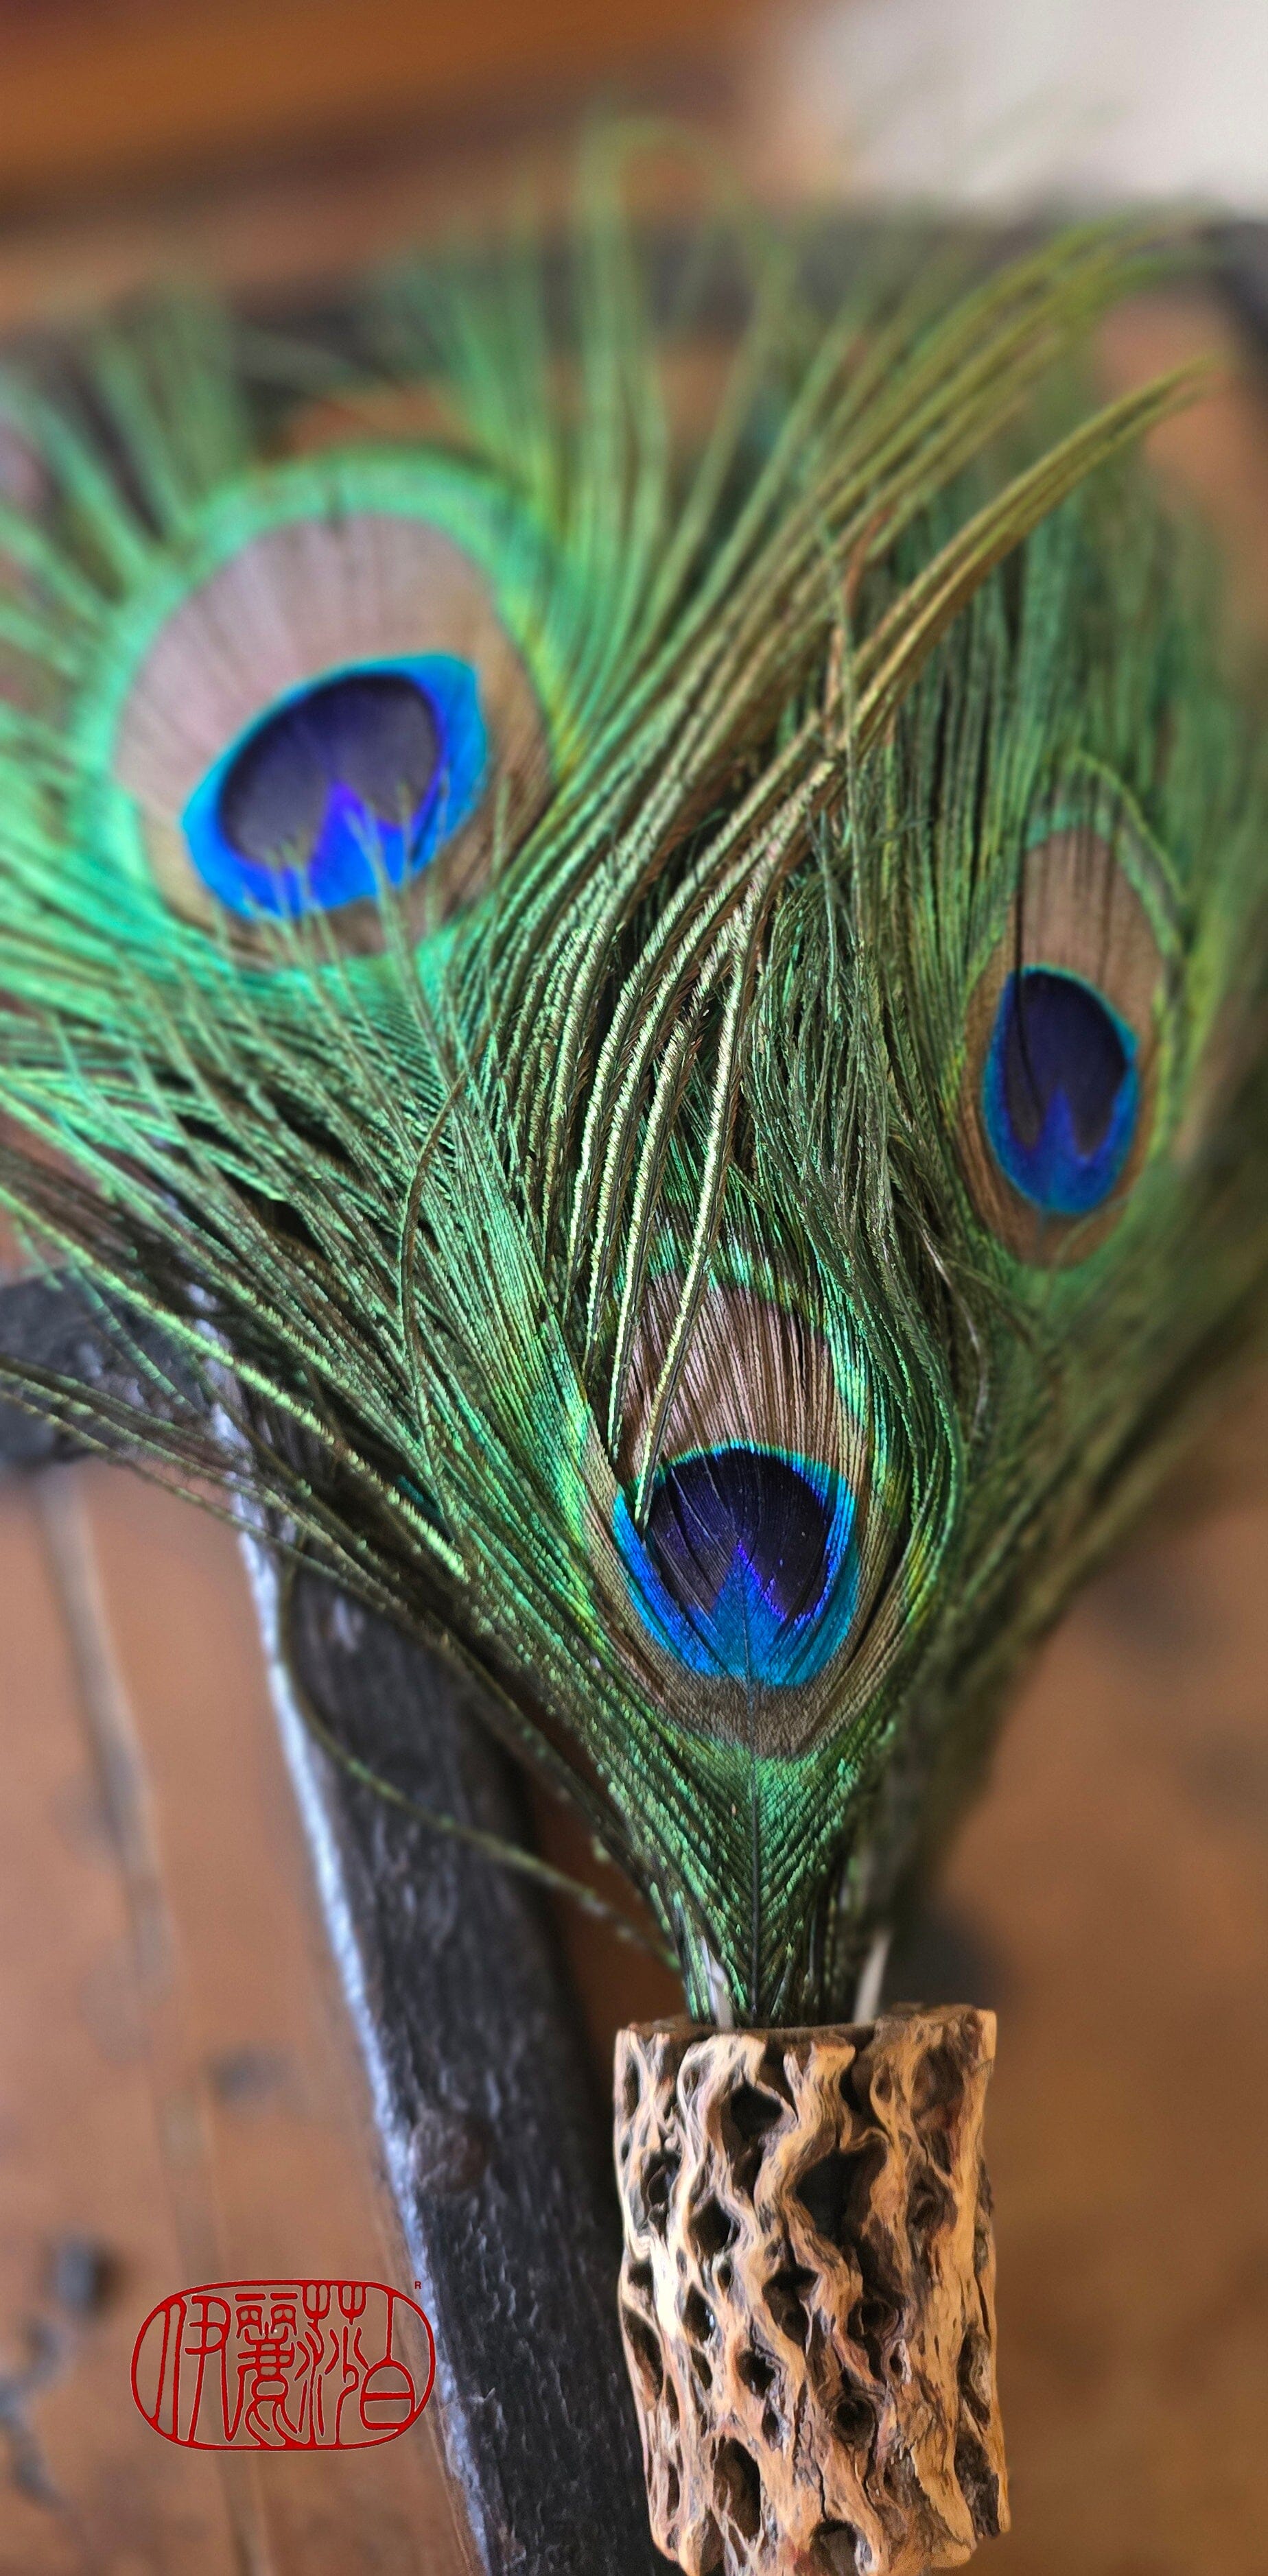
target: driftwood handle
807 2293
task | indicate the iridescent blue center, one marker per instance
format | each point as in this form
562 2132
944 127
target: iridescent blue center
1060 1091
746 1567
355 779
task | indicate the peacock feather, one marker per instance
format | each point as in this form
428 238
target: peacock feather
666 1012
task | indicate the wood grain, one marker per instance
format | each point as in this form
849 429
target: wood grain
99 94
181 2091
1110 1898
1113 1891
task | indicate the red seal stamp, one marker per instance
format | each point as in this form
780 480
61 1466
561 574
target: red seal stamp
283 2365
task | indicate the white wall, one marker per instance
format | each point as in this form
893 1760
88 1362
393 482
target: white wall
1010 102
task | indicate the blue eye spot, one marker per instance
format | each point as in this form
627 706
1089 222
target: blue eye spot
1060 1091
747 1568
358 776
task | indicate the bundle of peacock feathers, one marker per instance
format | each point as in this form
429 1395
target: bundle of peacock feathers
665 1011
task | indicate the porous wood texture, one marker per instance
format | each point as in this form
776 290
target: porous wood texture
807 2293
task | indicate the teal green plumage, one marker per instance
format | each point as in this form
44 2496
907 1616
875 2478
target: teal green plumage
717 1190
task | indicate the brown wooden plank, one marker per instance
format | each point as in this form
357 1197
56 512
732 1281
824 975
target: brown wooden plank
145 88
243 2146
1117 1876
79 2152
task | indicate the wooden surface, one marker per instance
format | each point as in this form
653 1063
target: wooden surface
181 2097
1117 1882
274 143
495 2137
1110 1898
109 92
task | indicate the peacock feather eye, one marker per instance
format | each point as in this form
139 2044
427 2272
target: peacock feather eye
357 777
756 1572
724 1247
746 1569
342 680
1067 1039
1060 1091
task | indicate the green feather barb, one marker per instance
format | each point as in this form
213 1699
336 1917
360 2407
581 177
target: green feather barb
665 1015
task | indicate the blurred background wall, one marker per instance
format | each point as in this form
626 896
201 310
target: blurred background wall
1000 102
278 138
274 137
1005 103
